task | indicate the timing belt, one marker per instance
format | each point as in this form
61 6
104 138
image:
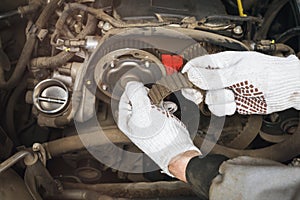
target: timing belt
169 84
177 81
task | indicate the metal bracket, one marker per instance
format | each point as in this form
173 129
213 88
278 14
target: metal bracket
33 29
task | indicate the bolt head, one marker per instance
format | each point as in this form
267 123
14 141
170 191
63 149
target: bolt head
112 64
36 147
104 87
238 30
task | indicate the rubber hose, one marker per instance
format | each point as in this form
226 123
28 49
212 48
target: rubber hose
63 57
234 18
4 60
32 7
27 49
10 110
269 17
284 37
284 48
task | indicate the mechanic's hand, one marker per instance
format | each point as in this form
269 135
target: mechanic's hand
249 82
154 130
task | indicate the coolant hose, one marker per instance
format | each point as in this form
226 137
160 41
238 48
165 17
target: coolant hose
27 49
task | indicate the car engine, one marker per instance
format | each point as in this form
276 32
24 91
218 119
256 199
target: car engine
65 63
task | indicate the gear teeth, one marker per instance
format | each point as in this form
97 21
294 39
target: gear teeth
154 94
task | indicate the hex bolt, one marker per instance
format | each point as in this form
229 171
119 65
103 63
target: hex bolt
36 147
107 26
238 30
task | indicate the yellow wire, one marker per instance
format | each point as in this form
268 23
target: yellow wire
240 7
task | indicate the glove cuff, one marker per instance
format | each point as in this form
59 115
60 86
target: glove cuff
201 171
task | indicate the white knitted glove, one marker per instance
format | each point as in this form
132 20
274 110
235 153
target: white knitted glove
155 131
249 82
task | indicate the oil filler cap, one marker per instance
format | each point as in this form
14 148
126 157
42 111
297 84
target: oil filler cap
50 96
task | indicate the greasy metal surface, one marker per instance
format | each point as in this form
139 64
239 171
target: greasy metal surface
138 190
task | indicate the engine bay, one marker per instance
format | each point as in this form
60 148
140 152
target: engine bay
65 63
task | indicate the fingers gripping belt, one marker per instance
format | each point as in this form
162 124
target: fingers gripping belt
169 84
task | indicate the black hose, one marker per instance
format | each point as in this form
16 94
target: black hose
27 49
63 57
21 65
269 17
4 60
32 7
10 110
233 18
287 50
284 37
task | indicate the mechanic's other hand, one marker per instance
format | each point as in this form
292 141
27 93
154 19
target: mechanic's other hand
154 130
249 82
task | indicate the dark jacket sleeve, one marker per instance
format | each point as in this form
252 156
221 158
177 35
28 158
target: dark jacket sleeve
201 171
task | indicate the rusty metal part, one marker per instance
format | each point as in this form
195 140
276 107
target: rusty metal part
248 134
288 127
137 190
169 84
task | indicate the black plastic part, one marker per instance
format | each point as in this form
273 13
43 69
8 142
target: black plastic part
146 9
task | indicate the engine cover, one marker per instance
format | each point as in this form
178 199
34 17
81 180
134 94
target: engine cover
146 9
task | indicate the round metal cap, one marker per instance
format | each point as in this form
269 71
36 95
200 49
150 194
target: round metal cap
50 96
